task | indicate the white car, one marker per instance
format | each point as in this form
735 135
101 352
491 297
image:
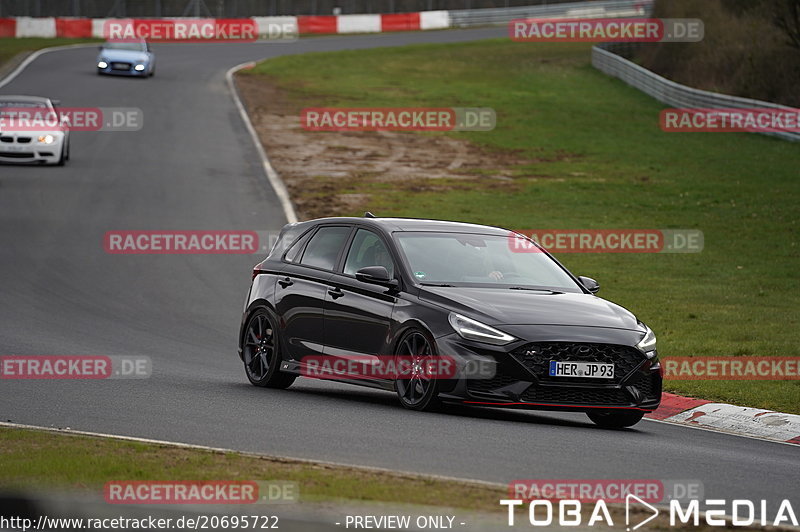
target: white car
32 131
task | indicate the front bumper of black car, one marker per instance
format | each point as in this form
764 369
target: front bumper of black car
517 375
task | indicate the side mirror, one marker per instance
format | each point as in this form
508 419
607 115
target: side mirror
590 284
376 275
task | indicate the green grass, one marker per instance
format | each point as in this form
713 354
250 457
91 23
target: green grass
601 161
33 460
9 47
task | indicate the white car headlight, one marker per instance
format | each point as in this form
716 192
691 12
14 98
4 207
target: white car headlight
138 68
102 64
480 332
647 344
47 139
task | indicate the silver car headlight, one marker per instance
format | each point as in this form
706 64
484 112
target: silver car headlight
138 68
647 344
480 332
102 64
47 139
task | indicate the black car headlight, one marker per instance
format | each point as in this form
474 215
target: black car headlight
470 329
647 344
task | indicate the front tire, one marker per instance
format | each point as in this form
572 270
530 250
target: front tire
615 419
416 389
62 158
261 352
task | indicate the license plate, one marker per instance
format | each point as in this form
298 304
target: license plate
14 148
590 370
120 66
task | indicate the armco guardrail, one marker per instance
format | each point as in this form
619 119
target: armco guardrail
672 93
582 10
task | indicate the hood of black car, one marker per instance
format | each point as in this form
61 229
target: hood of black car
498 306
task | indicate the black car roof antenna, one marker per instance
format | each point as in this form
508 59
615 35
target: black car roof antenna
369 215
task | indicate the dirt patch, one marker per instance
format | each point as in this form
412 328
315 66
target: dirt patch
331 173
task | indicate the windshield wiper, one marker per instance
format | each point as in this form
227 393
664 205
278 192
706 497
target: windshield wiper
437 284
535 289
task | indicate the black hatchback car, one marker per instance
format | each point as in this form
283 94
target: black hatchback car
443 311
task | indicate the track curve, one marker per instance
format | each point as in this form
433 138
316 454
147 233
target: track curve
193 166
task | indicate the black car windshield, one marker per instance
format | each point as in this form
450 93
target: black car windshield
132 46
461 259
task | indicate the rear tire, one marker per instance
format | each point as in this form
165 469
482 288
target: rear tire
615 419
418 390
261 352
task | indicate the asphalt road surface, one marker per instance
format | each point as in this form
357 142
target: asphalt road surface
194 167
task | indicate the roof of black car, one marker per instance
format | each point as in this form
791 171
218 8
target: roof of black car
417 224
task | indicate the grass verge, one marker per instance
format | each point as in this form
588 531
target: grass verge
10 47
33 460
596 158
40 460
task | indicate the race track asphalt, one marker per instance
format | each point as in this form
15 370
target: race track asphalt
192 167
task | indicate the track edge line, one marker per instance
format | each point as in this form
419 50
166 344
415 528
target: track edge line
278 186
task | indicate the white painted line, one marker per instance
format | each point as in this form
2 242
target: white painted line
371 469
277 185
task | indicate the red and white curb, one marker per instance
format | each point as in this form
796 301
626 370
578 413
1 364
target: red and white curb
741 420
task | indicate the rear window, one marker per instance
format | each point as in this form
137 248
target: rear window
288 236
324 247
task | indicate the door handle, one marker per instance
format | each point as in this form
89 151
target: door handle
335 292
286 281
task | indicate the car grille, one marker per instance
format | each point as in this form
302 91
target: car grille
489 385
120 66
648 388
578 396
20 140
536 358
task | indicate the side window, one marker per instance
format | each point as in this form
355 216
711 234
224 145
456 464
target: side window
368 249
323 248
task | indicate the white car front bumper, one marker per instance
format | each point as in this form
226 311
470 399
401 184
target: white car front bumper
25 147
